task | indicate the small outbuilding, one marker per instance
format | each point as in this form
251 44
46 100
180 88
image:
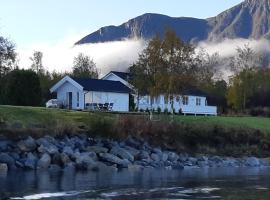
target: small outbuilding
87 93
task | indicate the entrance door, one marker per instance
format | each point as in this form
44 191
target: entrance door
69 100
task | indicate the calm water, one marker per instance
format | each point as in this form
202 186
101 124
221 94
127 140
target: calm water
242 183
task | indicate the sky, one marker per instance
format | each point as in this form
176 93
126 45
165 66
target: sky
36 24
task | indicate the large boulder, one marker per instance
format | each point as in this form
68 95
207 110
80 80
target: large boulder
68 150
144 155
111 158
48 148
252 162
172 156
44 162
27 145
122 153
7 159
31 161
64 159
3 168
4 145
84 161
155 157
133 151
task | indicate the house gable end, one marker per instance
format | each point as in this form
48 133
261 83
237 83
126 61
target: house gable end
63 81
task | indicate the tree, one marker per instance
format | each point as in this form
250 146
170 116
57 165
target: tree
26 93
243 64
84 67
37 65
7 56
165 67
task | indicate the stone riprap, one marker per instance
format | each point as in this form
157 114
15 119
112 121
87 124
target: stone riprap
83 153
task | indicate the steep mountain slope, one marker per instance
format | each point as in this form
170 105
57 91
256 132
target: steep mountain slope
249 19
148 25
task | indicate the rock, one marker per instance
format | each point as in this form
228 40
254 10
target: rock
64 159
164 157
30 162
172 156
3 168
130 141
143 155
84 161
157 151
27 145
177 166
133 151
202 163
4 145
122 153
44 162
19 164
7 159
100 166
132 167
97 149
111 158
252 162
68 150
48 148
155 157
56 159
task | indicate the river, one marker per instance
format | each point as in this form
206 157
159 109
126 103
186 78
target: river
194 183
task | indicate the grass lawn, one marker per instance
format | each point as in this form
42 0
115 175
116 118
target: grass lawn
260 123
44 116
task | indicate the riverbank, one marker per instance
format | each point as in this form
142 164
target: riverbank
81 152
222 136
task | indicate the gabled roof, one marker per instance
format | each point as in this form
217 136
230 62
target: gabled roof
123 75
102 85
192 91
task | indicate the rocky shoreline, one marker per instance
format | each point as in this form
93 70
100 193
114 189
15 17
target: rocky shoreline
84 153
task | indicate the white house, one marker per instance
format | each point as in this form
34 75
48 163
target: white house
191 101
79 93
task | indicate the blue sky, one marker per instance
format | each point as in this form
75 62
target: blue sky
48 21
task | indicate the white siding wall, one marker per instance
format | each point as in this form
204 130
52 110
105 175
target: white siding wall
191 108
62 95
120 100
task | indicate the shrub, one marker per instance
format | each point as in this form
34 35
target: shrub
158 110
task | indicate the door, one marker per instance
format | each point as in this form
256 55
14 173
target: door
69 100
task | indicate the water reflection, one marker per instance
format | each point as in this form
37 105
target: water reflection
228 183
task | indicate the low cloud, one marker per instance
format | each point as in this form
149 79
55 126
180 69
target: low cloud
108 56
120 55
227 48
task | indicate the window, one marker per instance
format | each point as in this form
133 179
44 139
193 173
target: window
78 99
185 100
198 101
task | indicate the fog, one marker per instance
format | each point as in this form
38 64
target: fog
120 55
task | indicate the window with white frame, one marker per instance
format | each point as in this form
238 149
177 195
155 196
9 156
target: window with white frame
185 100
198 101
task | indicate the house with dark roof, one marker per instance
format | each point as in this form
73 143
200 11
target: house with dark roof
189 101
84 93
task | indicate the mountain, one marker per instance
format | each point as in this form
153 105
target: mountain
249 19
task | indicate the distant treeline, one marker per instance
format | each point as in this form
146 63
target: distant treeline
167 66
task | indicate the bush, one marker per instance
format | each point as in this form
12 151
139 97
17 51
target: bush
158 110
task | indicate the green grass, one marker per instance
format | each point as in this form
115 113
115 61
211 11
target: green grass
260 123
43 116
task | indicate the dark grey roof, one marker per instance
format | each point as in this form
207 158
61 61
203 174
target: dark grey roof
194 92
123 75
102 85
